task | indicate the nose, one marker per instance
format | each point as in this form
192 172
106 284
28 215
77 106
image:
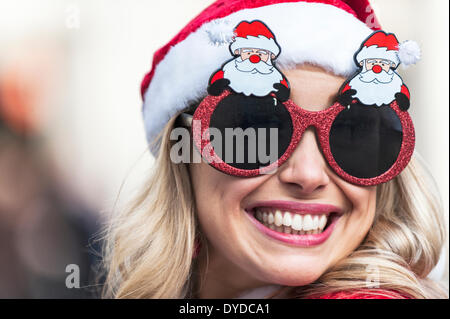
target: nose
376 68
305 171
255 58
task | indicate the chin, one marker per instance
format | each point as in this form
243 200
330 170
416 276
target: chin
291 270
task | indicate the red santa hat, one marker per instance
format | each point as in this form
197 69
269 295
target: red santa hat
254 34
382 45
321 32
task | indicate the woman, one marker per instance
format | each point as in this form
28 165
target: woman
198 232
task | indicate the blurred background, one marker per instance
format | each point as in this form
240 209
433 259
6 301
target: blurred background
72 142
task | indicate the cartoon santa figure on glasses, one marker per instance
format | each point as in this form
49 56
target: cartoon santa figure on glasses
377 83
251 71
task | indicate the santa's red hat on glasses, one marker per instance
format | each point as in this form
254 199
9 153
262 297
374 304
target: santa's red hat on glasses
326 33
254 35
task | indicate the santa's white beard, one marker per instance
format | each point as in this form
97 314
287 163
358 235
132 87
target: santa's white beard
251 78
376 88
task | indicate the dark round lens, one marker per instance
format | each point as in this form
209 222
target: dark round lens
250 132
365 140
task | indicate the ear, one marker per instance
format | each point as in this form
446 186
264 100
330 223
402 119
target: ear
236 52
361 63
272 56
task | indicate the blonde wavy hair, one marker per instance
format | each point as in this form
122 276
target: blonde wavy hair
149 247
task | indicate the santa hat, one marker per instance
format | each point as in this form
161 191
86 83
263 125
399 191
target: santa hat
321 32
382 45
254 34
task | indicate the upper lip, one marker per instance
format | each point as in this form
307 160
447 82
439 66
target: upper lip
297 207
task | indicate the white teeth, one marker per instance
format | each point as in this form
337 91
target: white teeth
287 219
297 223
278 218
292 223
315 222
322 221
307 222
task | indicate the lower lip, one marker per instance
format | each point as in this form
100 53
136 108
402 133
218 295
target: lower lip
297 240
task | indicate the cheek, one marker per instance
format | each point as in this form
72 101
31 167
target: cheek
362 198
219 196
223 221
361 217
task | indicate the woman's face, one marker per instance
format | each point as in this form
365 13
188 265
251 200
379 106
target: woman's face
304 192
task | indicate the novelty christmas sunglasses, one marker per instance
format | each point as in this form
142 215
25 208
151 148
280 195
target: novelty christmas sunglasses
367 137
363 145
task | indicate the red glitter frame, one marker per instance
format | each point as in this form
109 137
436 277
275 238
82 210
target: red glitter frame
301 120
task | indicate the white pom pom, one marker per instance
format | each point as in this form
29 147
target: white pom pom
408 52
220 32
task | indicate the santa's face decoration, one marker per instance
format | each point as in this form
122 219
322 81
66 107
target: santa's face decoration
377 83
251 71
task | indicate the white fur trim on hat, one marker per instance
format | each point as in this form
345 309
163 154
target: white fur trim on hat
376 52
409 52
220 32
260 42
307 32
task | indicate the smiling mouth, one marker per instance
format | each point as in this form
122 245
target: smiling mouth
293 222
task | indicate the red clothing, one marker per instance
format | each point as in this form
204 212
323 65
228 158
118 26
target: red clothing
405 91
267 291
363 294
217 76
346 88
